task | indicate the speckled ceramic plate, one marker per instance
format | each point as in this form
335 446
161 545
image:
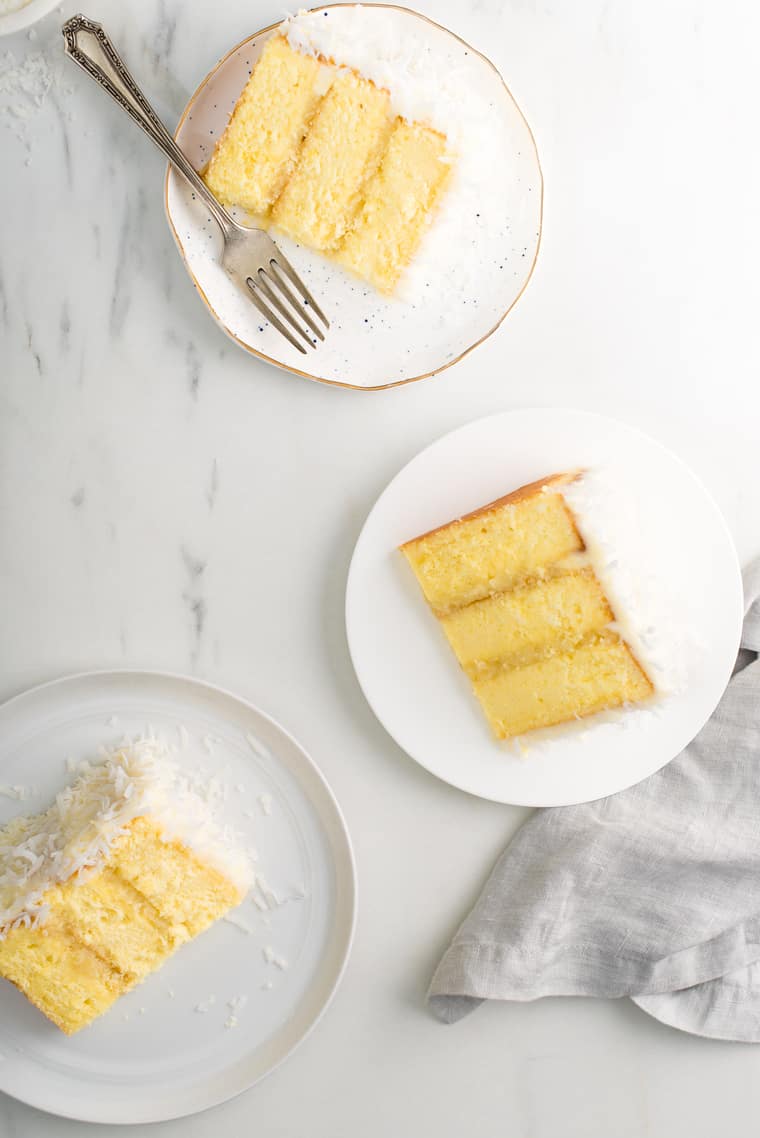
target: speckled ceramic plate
163 1051
375 342
671 538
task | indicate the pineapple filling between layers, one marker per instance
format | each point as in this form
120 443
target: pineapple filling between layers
524 612
316 151
126 866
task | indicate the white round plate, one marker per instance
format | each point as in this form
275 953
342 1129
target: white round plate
25 16
410 676
153 1056
373 342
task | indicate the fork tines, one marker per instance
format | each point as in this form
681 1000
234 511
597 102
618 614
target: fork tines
268 288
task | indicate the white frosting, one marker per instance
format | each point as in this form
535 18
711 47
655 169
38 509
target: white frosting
610 522
422 90
77 833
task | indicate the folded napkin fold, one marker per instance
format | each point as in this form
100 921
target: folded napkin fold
653 893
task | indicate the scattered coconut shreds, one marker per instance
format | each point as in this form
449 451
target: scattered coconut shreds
237 1003
230 1022
271 957
205 1005
171 993
258 748
265 802
18 793
231 919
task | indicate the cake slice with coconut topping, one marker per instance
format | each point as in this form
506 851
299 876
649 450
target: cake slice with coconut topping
127 865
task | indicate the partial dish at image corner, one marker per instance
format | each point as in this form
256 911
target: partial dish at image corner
467 227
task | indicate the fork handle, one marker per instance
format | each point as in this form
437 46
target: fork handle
89 46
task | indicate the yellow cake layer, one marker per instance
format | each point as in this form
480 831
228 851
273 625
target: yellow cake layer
342 150
397 205
66 980
597 675
494 548
106 934
518 626
115 920
258 150
182 888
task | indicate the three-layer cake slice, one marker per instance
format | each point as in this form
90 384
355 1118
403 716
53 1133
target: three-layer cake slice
525 613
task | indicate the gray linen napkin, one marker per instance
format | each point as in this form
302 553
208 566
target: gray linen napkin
653 893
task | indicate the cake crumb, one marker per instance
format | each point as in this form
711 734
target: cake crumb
265 802
171 993
271 957
18 793
258 748
230 1022
238 923
205 1005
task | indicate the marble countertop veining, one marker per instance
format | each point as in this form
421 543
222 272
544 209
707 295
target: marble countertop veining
168 502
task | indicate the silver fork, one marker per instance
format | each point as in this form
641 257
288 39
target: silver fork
249 256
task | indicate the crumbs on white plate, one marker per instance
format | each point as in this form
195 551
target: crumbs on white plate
18 793
271 957
238 923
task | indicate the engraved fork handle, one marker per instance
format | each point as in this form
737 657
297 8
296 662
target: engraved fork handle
89 46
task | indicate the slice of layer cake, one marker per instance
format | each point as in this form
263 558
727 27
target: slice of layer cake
524 612
126 866
257 152
317 152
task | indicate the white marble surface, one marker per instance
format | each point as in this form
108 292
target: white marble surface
167 502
